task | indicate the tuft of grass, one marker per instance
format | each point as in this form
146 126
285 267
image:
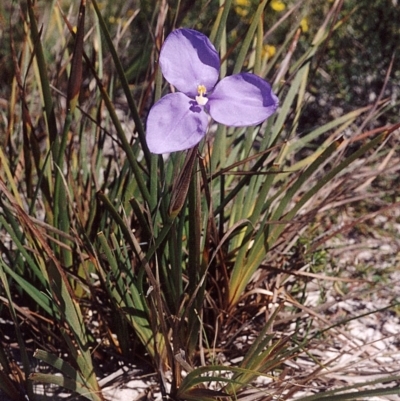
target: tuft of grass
180 259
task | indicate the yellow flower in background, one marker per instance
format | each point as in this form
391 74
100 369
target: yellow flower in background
242 12
268 51
246 3
242 7
113 20
278 5
304 24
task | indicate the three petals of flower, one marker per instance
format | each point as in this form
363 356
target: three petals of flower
190 63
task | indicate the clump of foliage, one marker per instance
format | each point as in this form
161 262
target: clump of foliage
107 248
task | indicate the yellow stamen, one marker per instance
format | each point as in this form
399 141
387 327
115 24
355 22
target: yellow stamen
201 99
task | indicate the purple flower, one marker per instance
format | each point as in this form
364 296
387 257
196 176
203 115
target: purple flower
179 121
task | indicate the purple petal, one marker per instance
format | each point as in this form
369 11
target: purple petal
189 59
241 100
175 122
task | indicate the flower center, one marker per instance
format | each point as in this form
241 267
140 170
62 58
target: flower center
201 99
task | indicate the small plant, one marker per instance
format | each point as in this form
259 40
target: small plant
144 228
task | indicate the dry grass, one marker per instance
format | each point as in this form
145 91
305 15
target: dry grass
332 274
